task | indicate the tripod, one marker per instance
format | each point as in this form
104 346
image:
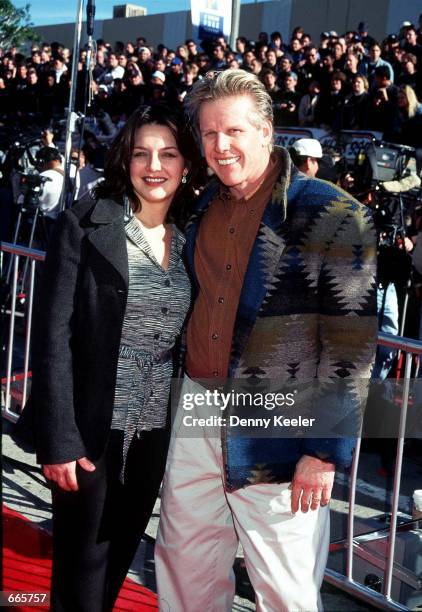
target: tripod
38 221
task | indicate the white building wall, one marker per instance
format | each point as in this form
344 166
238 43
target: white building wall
276 16
175 29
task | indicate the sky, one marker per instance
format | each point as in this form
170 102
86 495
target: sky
46 12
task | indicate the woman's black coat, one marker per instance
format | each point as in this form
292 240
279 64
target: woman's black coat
76 334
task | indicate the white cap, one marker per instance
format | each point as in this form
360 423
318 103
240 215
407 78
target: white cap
406 24
159 75
308 147
417 499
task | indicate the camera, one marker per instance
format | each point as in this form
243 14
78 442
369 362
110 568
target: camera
31 187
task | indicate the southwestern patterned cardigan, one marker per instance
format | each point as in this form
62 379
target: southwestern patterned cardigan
307 310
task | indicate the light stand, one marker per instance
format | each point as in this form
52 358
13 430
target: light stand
71 117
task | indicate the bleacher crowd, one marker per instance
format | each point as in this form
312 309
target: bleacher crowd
341 81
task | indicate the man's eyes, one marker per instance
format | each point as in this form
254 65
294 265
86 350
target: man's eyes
230 131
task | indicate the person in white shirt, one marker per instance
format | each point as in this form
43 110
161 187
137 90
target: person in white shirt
49 164
113 71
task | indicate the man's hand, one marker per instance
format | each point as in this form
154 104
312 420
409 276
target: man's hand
312 483
64 474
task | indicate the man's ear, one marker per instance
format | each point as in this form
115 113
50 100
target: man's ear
267 133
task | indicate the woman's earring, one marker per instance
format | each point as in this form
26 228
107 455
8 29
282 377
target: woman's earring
184 179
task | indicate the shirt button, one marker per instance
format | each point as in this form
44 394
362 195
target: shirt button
215 373
221 300
231 230
214 336
164 310
167 283
252 211
228 267
156 336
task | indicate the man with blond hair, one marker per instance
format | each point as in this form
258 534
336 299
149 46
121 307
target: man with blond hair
283 267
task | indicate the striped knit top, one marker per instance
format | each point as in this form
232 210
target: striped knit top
157 304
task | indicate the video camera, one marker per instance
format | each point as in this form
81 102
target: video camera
395 189
31 186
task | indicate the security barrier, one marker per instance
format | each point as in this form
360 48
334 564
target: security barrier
21 289
354 545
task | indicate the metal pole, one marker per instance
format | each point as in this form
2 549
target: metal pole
70 125
397 477
28 331
351 515
235 23
11 332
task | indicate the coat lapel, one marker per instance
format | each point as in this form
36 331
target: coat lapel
263 263
110 239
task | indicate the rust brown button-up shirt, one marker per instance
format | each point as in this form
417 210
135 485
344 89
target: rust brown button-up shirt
225 239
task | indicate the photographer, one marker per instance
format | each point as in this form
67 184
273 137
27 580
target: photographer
305 154
394 262
49 165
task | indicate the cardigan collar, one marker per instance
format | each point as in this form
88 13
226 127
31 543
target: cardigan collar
135 232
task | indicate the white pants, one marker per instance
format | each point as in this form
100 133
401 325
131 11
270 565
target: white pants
201 524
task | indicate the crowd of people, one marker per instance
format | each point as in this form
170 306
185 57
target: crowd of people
341 81
116 292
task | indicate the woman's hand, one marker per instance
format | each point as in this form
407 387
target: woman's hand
64 474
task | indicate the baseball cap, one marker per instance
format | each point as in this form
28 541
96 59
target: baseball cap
159 75
308 147
176 61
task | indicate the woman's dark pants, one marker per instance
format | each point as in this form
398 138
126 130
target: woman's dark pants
97 530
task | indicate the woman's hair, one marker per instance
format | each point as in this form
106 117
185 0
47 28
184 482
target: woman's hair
363 79
217 85
117 183
412 100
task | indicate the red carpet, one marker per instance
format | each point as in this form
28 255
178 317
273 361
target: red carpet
27 565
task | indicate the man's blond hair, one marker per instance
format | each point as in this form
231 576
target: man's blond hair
229 83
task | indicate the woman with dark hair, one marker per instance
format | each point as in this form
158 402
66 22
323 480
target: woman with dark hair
113 300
